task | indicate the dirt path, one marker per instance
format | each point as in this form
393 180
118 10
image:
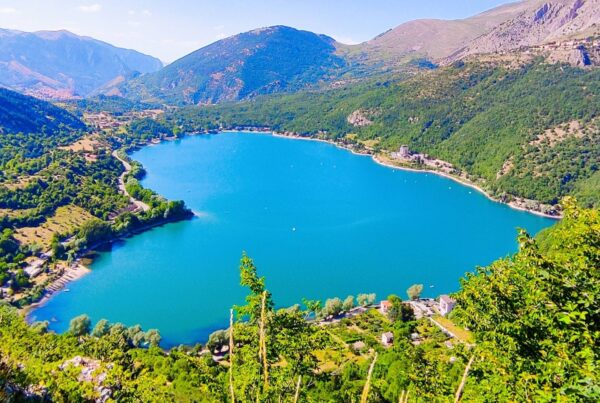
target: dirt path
139 204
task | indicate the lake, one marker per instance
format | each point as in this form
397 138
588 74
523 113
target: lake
318 221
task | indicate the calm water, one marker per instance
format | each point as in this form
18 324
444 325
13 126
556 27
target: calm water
319 222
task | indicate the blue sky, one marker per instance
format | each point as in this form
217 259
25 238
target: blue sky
173 28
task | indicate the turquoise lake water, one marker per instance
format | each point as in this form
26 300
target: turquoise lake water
318 221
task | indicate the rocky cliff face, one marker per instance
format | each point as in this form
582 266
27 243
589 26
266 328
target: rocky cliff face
431 38
562 30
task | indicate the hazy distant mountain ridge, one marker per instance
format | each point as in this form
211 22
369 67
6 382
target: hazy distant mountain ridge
261 61
59 64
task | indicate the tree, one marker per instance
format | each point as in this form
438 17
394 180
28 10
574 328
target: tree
101 329
406 313
414 291
365 299
333 307
399 310
118 330
348 303
249 278
40 327
80 326
394 311
21 280
537 313
153 337
57 247
94 230
135 336
217 340
312 306
177 132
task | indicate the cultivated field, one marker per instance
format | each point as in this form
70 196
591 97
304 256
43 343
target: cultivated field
64 221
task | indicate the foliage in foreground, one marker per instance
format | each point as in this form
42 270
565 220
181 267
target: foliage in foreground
535 319
536 316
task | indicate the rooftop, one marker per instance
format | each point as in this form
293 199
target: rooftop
447 299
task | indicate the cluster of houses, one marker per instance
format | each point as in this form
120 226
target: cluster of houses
405 155
425 307
105 120
35 267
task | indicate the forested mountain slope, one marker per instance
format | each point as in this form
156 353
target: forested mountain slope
261 61
28 125
25 114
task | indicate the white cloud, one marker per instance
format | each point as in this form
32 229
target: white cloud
145 12
220 36
8 10
92 8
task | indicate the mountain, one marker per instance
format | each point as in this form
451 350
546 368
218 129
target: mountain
562 30
30 126
60 64
431 38
262 61
284 59
24 114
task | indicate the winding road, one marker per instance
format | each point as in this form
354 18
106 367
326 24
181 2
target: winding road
138 203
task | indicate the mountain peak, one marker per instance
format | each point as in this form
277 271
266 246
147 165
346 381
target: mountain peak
540 23
55 35
61 64
264 60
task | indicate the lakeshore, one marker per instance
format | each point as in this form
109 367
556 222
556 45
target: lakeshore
294 198
385 160
72 273
77 270
379 158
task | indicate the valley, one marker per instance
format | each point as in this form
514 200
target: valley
449 186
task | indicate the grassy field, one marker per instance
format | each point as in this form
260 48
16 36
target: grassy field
461 333
14 213
19 183
64 221
87 144
370 143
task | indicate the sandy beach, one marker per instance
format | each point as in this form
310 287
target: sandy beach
73 273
